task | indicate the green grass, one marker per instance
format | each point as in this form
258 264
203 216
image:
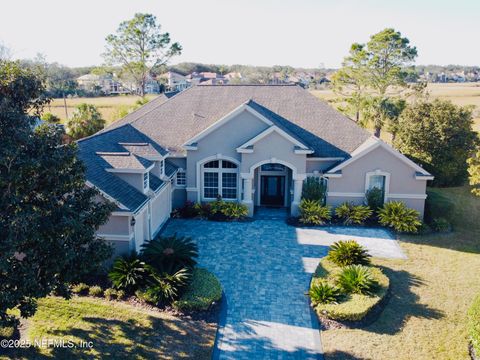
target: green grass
474 325
204 289
431 292
109 106
117 331
352 307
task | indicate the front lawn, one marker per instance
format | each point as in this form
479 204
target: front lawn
117 330
431 292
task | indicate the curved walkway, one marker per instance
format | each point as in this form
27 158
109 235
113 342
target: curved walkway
265 268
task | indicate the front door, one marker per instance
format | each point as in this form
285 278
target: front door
272 190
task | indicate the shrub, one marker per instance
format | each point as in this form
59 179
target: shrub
187 211
322 292
121 294
314 188
356 279
170 253
95 291
128 274
233 210
50 118
374 198
438 206
313 213
204 289
474 325
353 214
344 253
441 225
397 216
80 289
7 332
203 210
110 294
163 288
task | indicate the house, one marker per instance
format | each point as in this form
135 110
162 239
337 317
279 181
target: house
101 83
253 144
175 81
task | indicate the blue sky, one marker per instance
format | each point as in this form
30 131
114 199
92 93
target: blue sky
304 33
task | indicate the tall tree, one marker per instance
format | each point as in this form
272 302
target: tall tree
85 121
438 135
374 72
48 217
474 172
138 46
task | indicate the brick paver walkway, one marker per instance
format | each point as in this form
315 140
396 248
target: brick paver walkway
265 268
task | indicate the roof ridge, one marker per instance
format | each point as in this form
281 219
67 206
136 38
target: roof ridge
101 132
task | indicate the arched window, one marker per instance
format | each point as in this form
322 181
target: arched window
220 177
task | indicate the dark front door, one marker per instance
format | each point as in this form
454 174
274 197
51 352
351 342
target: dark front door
273 190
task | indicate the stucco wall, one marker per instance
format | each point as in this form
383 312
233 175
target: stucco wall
134 179
140 233
116 225
161 209
179 196
224 141
273 146
320 165
120 248
402 179
180 162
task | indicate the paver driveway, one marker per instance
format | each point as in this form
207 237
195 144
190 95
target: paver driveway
265 267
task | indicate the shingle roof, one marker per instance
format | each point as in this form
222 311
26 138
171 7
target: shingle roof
173 122
170 168
109 142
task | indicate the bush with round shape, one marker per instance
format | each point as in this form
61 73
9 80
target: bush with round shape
441 225
314 188
204 290
397 216
169 254
313 213
110 294
349 252
321 292
80 289
128 273
96 291
356 279
351 214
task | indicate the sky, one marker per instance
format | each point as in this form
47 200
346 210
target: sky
300 33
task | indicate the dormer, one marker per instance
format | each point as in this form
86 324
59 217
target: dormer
148 152
129 167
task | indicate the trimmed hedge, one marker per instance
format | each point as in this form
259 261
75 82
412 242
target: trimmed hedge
352 307
204 289
474 326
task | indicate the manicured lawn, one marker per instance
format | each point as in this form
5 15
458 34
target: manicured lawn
426 317
117 330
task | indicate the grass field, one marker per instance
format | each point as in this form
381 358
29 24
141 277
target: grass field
431 292
116 331
109 106
459 93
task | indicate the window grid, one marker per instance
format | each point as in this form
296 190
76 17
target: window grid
145 180
220 177
181 178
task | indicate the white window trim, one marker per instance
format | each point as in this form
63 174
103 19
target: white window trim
219 171
180 171
377 172
147 185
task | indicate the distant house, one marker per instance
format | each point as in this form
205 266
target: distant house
105 84
175 81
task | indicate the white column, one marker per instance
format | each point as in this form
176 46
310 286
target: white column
297 193
247 192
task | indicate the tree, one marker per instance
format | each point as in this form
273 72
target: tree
50 118
375 71
474 172
438 135
85 121
139 46
48 216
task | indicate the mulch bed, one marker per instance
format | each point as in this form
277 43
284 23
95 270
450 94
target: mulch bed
472 353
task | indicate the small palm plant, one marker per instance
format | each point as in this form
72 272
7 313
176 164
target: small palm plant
350 252
128 274
353 214
322 292
397 216
170 254
356 279
313 213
